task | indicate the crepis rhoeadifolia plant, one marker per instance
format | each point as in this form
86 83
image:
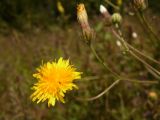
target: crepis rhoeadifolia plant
56 78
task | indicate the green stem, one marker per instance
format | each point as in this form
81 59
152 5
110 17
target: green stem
101 61
115 83
111 4
148 33
134 49
120 36
145 63
142 54
105 91
149 27
153 73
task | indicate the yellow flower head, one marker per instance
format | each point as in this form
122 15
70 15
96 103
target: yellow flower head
54 79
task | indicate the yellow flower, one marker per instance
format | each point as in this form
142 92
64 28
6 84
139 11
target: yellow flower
54 80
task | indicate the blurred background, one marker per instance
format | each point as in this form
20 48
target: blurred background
36 30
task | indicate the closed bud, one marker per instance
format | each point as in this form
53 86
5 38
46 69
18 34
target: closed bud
140 4
60 7
83 21
153 95
119 2
82 15
103 9
106 15
116 18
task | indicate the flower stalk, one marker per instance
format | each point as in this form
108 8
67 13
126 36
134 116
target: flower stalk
150 29
103 63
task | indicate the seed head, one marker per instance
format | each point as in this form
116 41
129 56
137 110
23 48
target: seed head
140 4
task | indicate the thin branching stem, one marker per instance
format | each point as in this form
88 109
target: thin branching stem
112 5
142 54
103 63
148 26
140 81
120 37
114 84
136 50
145 63
153 73
104 92
152 40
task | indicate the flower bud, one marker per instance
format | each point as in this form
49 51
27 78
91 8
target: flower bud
103 9
153 95
119 2
119 44
83 21
116 18
106 15
134 35
140 4
60 7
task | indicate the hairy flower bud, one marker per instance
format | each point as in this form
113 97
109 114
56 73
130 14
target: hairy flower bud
140 4
82 15
105 14
83 21
116 18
